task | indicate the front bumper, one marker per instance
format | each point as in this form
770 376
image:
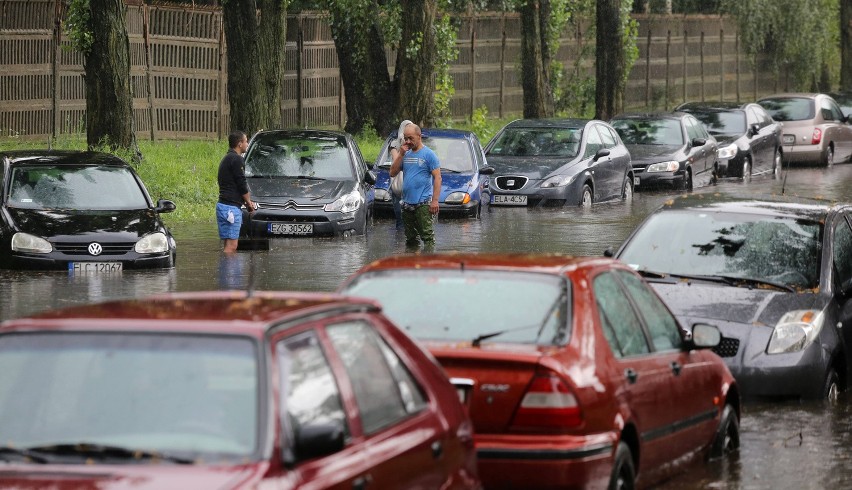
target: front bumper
322 223
654 180
60 261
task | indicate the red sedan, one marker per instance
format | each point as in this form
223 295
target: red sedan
578 375
226 390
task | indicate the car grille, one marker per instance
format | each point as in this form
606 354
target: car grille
510 183
290 205
83 248
309 218
728 347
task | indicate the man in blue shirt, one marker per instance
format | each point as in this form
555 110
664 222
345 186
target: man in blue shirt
421 187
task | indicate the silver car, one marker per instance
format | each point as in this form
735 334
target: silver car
815 130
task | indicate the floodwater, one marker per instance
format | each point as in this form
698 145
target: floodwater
795 445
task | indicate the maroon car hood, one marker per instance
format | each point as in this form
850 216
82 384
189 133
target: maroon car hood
141 476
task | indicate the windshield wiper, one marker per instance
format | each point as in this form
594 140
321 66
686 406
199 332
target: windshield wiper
90 450
479 338
729 280
308 177
28 454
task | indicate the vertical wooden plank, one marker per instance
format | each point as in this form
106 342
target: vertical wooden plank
300 46
668 65
502 63
648 71
685 50
701 49
55 59
472 66
146 37
220 101
737 49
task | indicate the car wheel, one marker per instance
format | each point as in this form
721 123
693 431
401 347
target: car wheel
477 213
746 173
627 190
828 160
623 475
831 390
586 198
727 439
777 163
687 180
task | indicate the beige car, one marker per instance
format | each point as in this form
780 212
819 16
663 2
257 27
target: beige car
814 131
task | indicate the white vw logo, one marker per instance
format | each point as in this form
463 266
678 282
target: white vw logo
95 248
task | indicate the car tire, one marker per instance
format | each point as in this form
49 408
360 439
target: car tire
831 388
746 172
477 214
627 190
623 475
777 164
727 438
687 180
586 197
828 158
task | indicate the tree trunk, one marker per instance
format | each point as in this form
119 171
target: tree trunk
415 61
609 62
846 45
255 33
535 59
109 96
370 95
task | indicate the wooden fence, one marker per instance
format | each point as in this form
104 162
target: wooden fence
178 69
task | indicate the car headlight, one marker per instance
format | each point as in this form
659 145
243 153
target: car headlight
153 243
24 242
558 181
345 204
458 198
382 195
795 331
727 152
671 166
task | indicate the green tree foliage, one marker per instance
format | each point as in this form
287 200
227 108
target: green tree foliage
800 38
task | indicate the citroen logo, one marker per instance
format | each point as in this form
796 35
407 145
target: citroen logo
95 248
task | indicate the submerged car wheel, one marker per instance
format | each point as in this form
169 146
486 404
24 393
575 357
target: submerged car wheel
828 158
623 475
832 386
586 199
777 163
687 180
727 439
627 191
746 173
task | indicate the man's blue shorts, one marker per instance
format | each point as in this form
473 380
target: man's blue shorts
230 219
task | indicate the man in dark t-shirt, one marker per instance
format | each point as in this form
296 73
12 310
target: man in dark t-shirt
233 191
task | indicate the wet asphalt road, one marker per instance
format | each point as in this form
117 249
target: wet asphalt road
790 445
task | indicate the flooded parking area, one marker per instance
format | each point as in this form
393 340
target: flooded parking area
784 445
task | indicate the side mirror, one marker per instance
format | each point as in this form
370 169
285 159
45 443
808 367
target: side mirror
370 177
699 142
313 441
753 129
609 252
486 170
165 206
603 152
705 336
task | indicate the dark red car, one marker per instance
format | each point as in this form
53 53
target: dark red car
578 375
226 390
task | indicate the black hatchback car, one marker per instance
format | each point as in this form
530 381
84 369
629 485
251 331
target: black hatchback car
775 275
307 182
749 139
668 149
80 211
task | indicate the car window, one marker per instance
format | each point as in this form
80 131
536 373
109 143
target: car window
753 118
842 247
384 389
836 112
309 392
693 129
523 307
764 117
649 131
621 326
545 141
825 111
360 164
276 155
454 154
664 330
790 108
606 136
79 188
193 394
721 122
593 143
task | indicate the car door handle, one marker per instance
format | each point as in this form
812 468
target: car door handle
631 375
676 367
362 482
437 449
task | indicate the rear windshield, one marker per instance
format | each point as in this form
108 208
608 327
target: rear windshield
78 188
718 123
320 157
454 154
790 108
781 250
443 304
194 396
649 131
543 142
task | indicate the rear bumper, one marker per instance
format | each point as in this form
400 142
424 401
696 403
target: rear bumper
809 154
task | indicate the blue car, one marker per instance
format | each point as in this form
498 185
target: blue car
464 172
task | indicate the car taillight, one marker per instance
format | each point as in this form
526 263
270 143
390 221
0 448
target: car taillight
548 404
817 137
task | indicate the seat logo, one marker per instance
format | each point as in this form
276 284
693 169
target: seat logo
510 182
95 248
494 388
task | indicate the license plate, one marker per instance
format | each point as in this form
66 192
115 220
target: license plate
635 181
509 200
789 139
98 267
290 228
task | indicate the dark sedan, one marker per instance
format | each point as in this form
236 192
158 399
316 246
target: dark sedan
749 139
307 182
80 211
775 275
554 162
670 150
